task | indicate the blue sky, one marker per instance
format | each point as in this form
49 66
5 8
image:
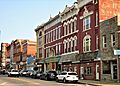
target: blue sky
19 18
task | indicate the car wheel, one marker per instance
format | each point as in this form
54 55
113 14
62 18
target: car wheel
57 80
46 78
64 80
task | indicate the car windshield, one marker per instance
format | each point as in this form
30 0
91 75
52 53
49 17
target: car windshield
72 74
14 70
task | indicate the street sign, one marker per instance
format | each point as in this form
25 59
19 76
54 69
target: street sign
116 52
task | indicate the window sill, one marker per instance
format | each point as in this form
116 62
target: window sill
87 51
86 30
70 34
96 26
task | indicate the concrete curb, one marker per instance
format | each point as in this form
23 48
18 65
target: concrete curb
93 84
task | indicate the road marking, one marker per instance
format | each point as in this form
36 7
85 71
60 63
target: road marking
4 83
26 81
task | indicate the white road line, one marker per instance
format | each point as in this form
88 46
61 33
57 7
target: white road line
4 83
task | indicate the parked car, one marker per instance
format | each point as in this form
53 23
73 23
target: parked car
3 71
49 75
23 72
38 74
13 72
29 72
67 76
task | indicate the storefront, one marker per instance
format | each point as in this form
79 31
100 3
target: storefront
51 63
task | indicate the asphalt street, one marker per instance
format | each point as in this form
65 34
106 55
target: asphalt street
23 81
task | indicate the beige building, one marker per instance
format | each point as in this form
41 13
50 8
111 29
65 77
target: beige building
40 45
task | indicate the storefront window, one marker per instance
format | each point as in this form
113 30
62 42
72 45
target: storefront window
106 68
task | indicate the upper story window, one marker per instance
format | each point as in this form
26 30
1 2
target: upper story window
54 35
68 27
86 23
40 34
97 42
113 40
87 43
40 52
104 41
96 18
75 23
47 52
65 29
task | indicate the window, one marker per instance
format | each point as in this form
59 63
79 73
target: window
75 25
53 35
68 45
57 33
106 67
88 70
96 42
65 46
57 48
87 43
96 18
113 40
73 47
40 52
40 42
104 41
47 52
65 29
86 23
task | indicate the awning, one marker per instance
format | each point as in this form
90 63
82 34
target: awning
68 58
52 59
87 56
42 61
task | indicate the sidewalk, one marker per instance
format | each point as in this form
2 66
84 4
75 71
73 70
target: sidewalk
99 83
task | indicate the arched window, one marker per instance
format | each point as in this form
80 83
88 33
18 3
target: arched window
75 23
40 39
87 43
40 34
65 46
65 28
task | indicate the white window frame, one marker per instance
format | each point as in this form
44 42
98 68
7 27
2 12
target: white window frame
68 23
85 23
65 29
97 42
85 43
112 40
104 43
75 24
96 19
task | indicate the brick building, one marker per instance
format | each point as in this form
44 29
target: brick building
80 37
28 49
17 54
109 42
4 54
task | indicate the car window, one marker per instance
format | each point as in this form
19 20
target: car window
72 74
14 70
63 73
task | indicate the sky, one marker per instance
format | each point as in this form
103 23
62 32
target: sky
19 18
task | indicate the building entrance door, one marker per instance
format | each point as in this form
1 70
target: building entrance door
97 72
81 72
114 71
